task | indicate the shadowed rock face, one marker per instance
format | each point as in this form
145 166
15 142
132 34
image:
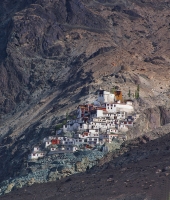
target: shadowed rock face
34 45
42 42
59 51
7 10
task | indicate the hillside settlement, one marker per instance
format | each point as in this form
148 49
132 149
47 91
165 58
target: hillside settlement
105 120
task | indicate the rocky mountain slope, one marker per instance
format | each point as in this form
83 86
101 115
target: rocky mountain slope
55 54
139 171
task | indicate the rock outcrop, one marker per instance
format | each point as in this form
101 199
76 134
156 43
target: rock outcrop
52 168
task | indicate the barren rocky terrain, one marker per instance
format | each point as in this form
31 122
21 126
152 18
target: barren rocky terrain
141 170
55 54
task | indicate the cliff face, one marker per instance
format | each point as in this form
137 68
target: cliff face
37 47
45 44
55 53
153 122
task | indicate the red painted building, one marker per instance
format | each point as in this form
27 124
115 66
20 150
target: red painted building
55 141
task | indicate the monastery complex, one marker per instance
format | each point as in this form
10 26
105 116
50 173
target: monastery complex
103 121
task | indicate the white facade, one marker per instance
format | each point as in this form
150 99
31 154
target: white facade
111 107
47 143
79 141
69 141
112 131
53 149
123 127
99 113
93 133
125 108
75 126
104 96
129 103
36 155
36 149
93 140
106 137
83 135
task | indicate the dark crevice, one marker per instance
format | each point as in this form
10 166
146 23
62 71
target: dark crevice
69 11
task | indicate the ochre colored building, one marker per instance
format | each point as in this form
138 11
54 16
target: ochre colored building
118 95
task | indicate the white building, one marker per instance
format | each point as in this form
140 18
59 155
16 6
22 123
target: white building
125 108
36 153
83 135
68 141
105 97
93 132
106 118
75 126
129 102
106 138
109 131
111 108
64 149
36 149
53 149
47 143
93 140
79 141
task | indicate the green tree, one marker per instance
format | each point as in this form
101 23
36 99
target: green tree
67 115
112 90
58 126
129 93
136 94
138 89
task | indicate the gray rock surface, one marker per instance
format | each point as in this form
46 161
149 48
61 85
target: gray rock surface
52 168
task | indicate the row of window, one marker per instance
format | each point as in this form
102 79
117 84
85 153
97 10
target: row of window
42 154
111 105
90 139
